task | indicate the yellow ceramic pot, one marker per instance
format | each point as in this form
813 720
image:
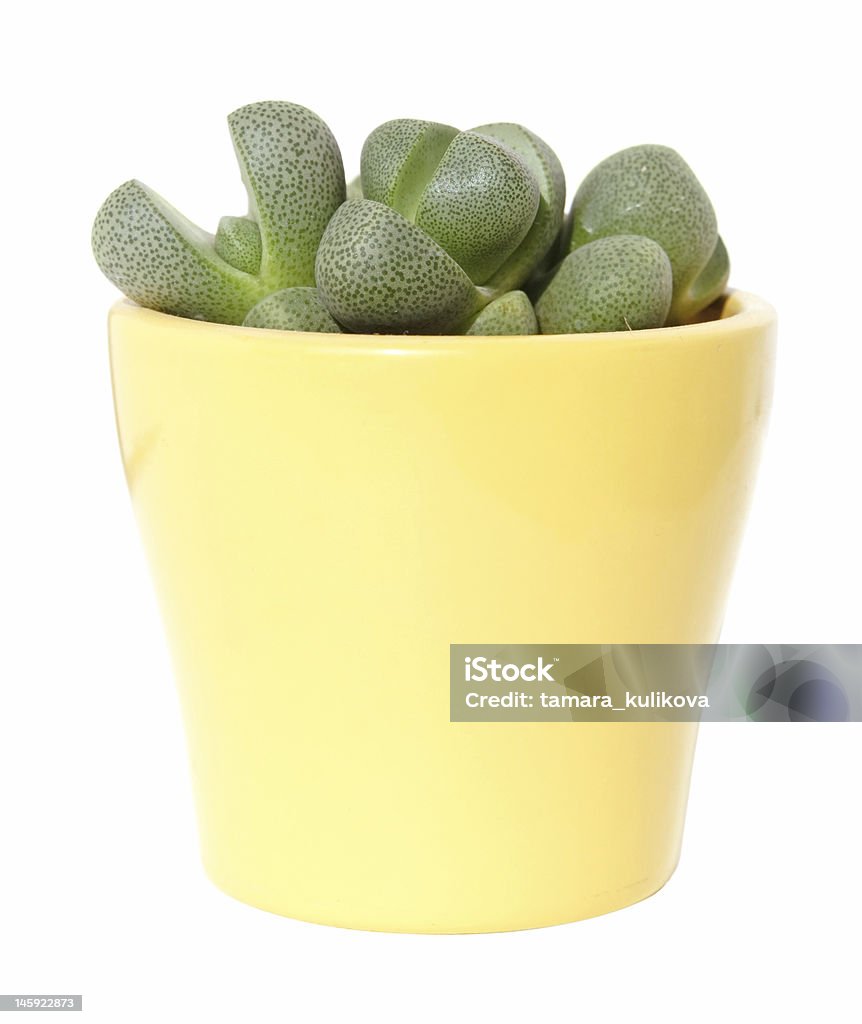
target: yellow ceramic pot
325 514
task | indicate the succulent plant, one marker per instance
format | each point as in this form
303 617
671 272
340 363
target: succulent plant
293 309
444 231
291 167
238 242
548 222
618 283
377 272
448 221
511 314
650 190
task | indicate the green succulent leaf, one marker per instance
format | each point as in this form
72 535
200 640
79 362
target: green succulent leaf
378 273
479 204
161 260
650 190
620 283
237 241
292 170
510 314
706 288
292 309
548 172
398 160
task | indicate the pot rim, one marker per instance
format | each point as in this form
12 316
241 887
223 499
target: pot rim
740 311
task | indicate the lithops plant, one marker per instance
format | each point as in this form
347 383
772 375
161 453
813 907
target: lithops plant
238 242
650 190
292 169
378 273
548 222
293 309
619 283
443 232
511 314
447 222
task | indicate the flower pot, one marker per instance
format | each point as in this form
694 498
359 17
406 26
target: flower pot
325 514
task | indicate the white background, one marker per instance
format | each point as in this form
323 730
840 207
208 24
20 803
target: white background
101 891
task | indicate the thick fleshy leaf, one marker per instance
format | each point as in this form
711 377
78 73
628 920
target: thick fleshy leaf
292 170
398 160
620 283
707 287
548 171
237 241
510 314
378 273
161 260
479 204
650 190
292 309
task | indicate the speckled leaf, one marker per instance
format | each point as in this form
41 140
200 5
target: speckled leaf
546 268
479 204
398 160
161 260
292 169
619 283
237 241
706 288
292 309
548 171
649 190
510 314
378 273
